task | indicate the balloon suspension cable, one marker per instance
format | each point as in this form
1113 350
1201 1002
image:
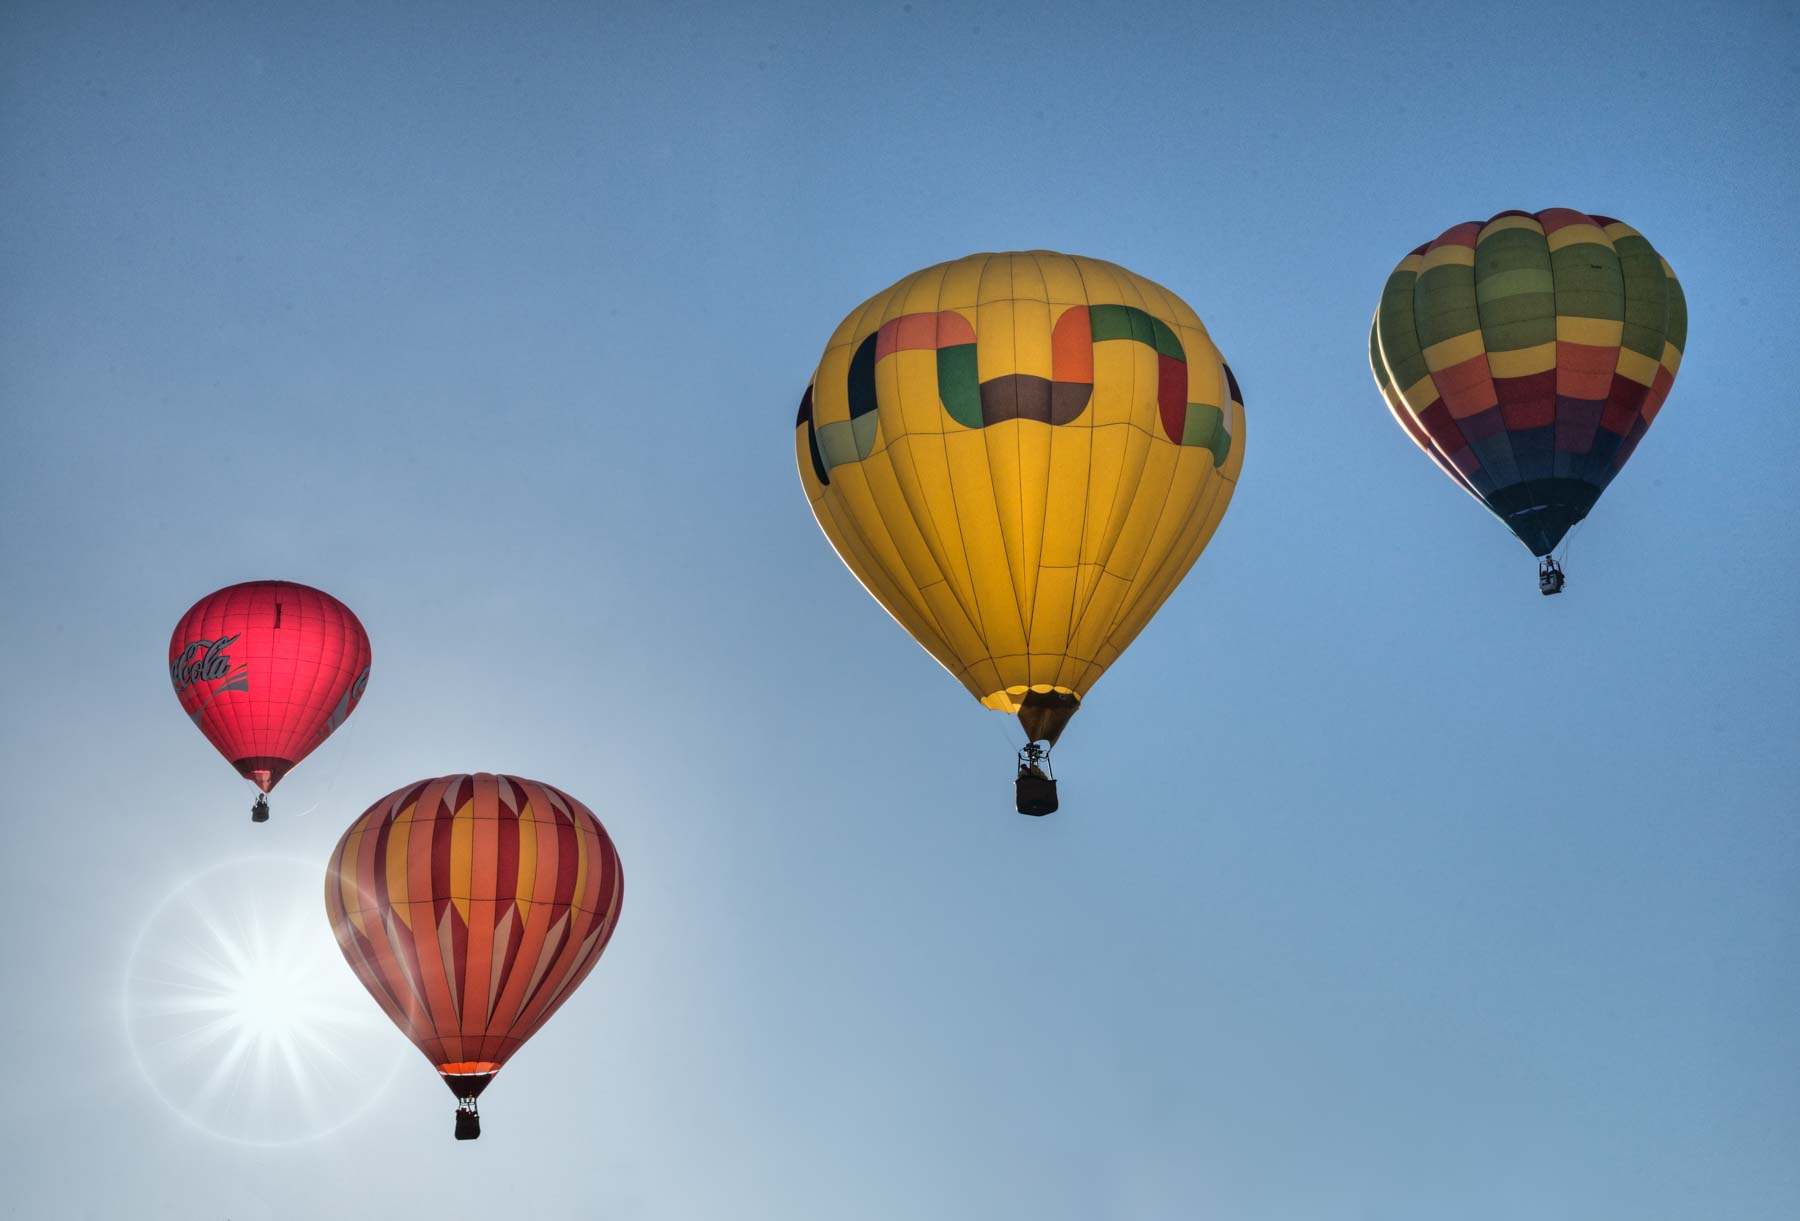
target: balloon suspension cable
468 1120
1034 788
1550 576
1008 729
1568 543
260 811
346 738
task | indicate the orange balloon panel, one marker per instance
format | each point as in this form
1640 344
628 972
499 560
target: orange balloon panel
471 907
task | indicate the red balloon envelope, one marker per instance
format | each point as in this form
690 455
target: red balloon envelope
267 670
471 907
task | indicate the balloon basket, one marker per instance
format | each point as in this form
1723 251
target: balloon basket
468 1120
260 811
1034 791
1550 577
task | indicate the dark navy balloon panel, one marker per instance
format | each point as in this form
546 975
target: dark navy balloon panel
805 420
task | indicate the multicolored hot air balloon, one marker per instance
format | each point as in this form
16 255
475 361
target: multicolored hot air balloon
1527 357
471 907
267 670
1020 456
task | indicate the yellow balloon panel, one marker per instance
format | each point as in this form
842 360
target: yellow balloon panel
1020 456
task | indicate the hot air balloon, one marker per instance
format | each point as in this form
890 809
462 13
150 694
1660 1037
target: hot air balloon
267 670
1527 356
471 907
1020 456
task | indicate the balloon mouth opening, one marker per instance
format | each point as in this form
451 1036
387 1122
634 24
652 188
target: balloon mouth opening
264 771
1045 714
1043 710
467 1078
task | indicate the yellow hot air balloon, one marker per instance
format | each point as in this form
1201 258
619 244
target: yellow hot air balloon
1020 456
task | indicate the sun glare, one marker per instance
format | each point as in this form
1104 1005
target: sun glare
244 1017
268 1000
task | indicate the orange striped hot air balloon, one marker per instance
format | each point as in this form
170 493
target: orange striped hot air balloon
471 907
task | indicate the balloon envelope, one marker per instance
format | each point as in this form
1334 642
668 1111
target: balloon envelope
471 906
1020 456
267 670
1528 356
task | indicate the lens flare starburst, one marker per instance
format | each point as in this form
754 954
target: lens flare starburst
241 1013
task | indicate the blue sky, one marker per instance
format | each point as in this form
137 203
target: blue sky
494 326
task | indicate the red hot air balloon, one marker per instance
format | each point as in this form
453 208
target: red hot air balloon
471 907
267 670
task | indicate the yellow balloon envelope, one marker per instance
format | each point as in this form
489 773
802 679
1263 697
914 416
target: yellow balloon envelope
1020 456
